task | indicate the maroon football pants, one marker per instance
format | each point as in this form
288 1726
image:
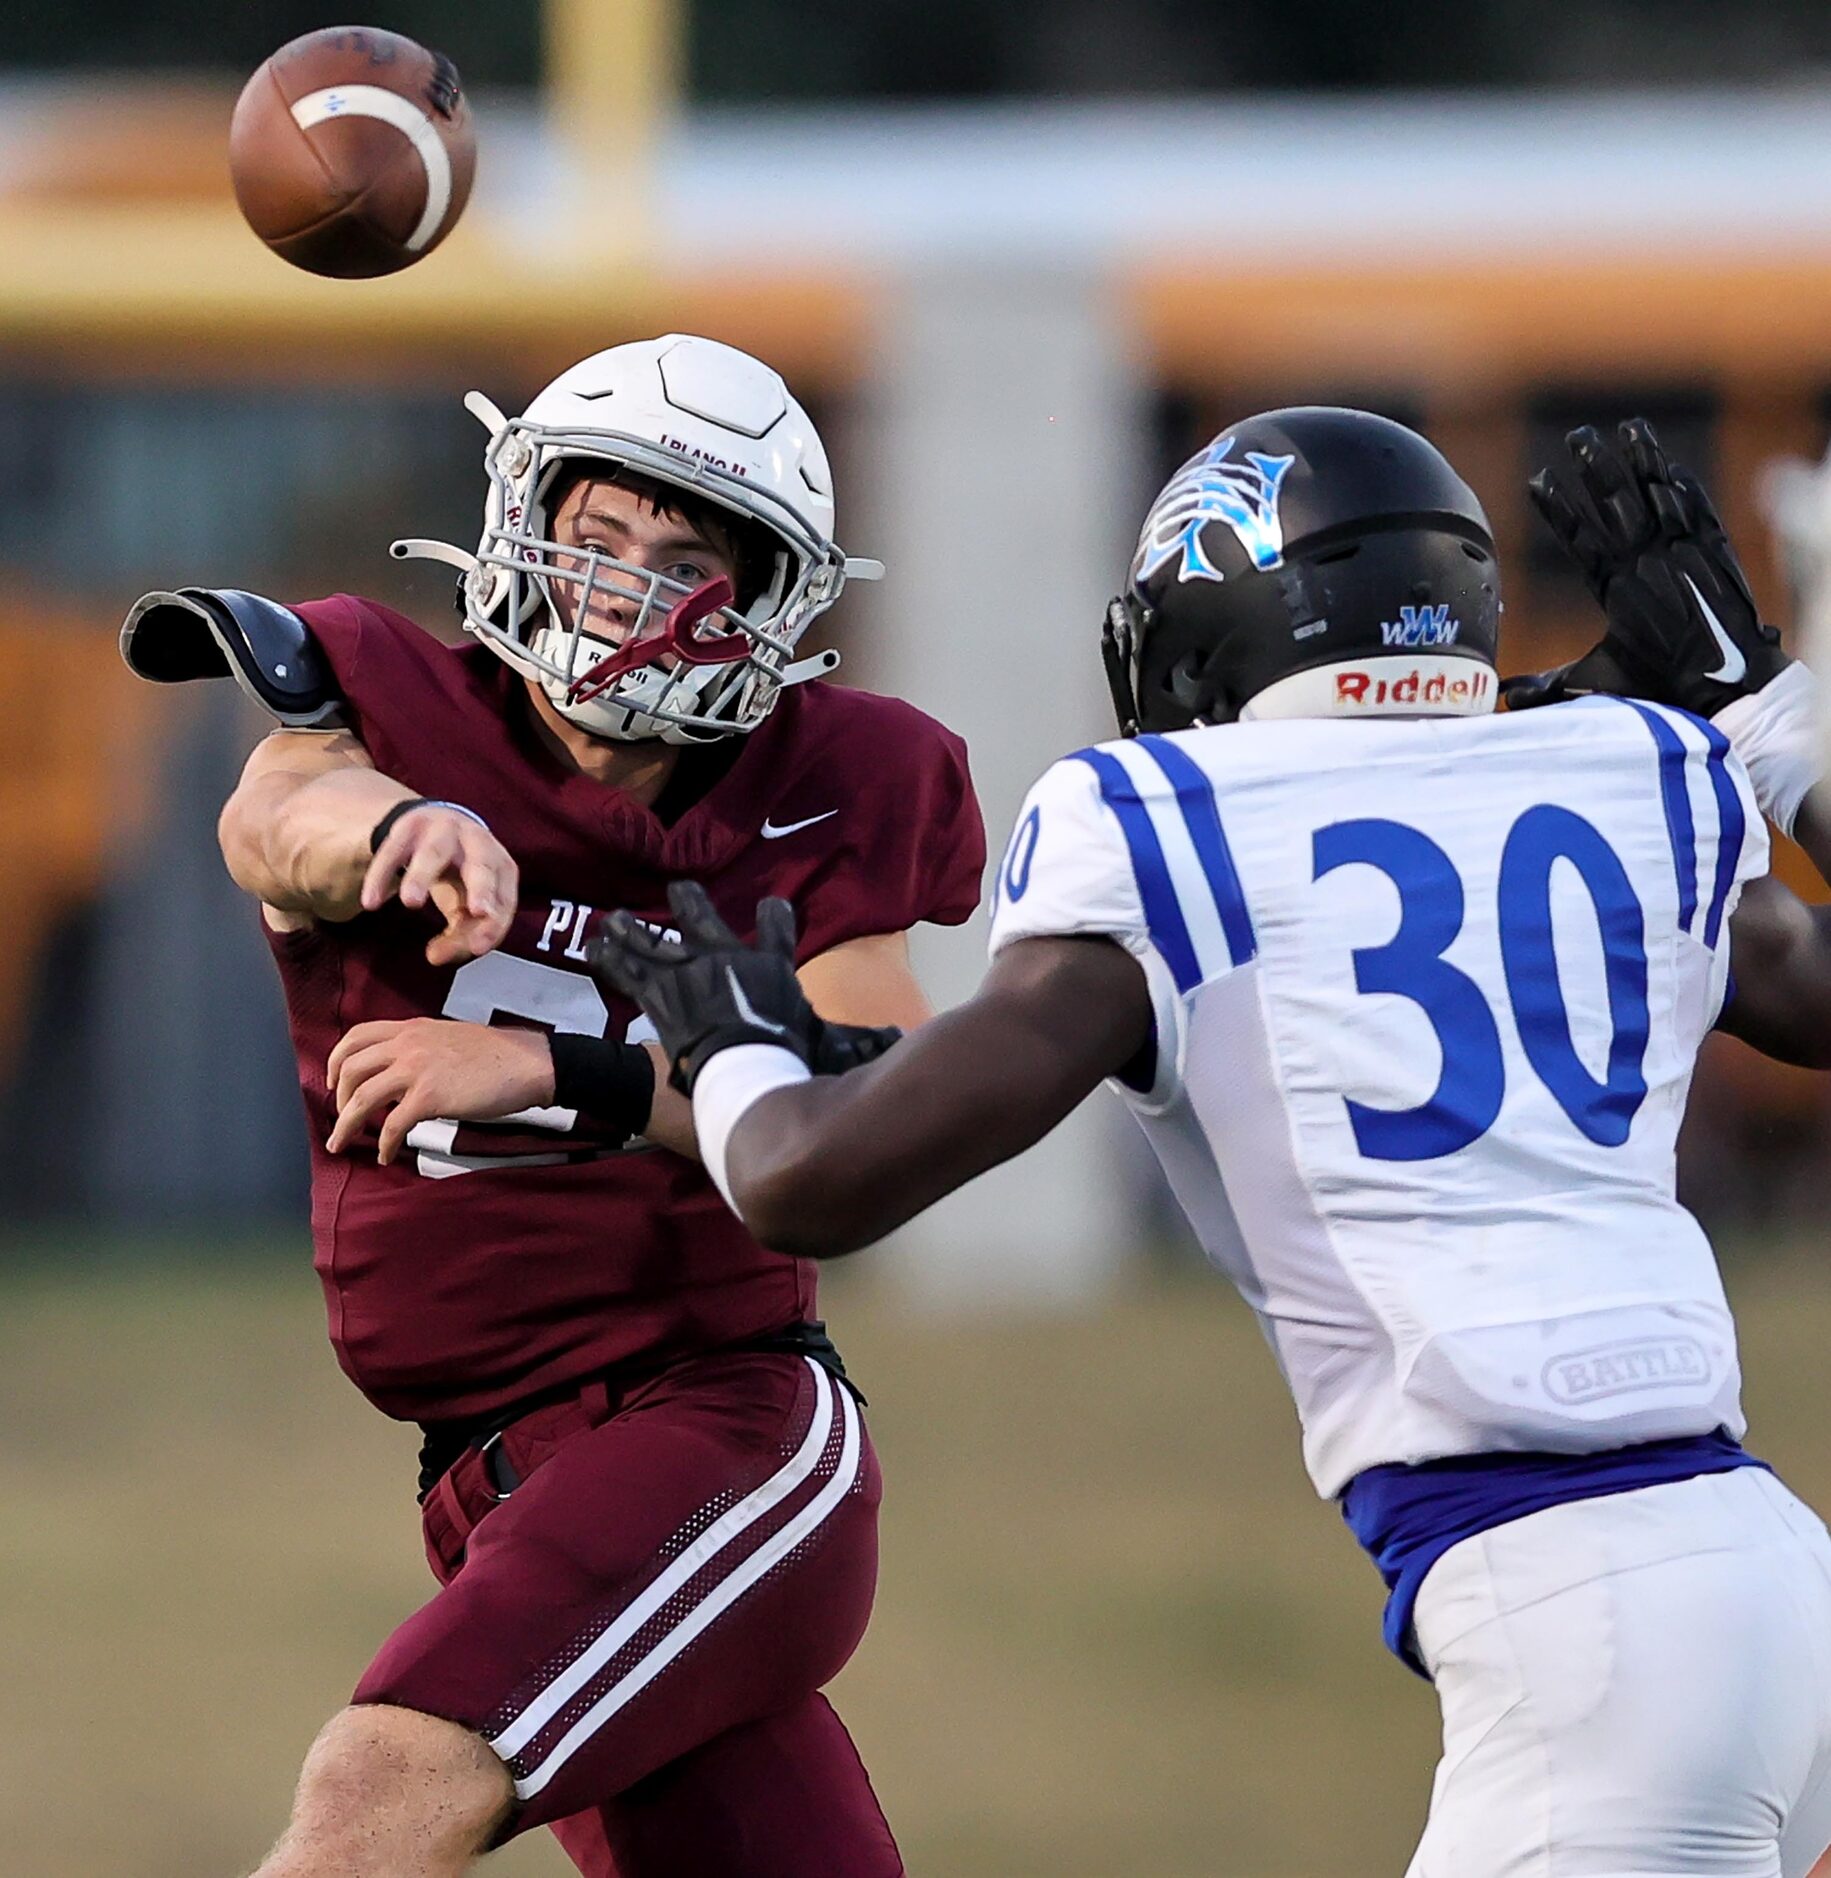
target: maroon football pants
641 1627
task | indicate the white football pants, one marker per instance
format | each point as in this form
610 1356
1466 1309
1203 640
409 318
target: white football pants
1634 1687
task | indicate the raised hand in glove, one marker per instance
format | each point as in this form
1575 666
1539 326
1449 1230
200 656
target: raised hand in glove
707 991
1682 625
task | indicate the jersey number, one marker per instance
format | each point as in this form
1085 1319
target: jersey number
501 985
1411 965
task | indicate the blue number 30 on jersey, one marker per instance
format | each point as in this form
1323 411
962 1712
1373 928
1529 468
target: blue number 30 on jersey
1411 964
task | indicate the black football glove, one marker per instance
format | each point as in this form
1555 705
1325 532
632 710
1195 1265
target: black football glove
840 1047
1682 624
707 991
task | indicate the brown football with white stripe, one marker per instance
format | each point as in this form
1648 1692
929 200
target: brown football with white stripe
351 151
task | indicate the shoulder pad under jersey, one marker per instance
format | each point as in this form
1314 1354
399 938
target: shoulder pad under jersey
199 632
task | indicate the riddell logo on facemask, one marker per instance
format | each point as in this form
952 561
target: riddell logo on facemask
1365 691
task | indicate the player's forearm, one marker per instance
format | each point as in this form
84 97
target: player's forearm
302 843
670 1119
834 1164
821 1170
862 982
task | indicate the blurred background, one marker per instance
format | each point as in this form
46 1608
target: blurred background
1019 261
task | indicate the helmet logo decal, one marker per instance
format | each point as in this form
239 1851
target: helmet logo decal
1421 626
1208 488
682 448
1463 691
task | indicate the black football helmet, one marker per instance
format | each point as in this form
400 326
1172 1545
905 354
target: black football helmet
1301 539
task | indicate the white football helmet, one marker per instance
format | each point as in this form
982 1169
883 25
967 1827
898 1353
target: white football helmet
696 663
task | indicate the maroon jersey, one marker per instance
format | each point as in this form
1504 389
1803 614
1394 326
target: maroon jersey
491 1262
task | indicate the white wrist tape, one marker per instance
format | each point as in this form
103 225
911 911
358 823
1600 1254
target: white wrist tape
726 1090
1778 733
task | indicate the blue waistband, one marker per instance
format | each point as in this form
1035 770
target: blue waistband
1408 1517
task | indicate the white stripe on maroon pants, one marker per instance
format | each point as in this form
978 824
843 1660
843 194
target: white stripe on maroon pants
539 1713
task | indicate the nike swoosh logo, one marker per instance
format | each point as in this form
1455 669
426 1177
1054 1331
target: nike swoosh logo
744 1011
1734 667
772 833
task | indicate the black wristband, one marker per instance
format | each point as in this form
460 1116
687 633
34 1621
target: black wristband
613 1083
379 833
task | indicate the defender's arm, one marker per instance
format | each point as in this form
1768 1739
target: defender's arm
818 1166
827 1166
863 983
1780 953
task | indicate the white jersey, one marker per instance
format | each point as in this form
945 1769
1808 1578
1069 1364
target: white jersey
1428 995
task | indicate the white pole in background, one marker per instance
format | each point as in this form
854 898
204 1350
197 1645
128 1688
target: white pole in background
1003 445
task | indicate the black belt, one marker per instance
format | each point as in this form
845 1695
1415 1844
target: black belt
441 1443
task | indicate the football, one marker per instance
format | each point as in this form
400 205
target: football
351 151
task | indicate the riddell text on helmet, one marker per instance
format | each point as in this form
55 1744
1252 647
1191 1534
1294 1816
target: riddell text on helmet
1364 689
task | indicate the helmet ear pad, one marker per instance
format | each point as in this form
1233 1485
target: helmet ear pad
1408 583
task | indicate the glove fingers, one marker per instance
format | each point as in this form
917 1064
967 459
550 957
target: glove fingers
633 939
776 928
1670 515
1568 513
839 1048
1644 454
698 920
1700 512
1553 501
608 960
868 1045
1564 503
1611 486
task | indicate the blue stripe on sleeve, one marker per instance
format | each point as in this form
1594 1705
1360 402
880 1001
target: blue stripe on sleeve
1202 817
1162 913
1677 800
1732 824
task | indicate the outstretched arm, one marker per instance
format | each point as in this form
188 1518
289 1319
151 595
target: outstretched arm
297 832
822 1167
830 1165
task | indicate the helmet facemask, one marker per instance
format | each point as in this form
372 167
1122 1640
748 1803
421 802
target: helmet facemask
513 595
692 422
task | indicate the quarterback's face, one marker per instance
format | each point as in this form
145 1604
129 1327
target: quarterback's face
625 525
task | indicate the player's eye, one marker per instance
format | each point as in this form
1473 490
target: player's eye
688 573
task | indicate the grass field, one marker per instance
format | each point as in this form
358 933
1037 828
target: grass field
1116 1636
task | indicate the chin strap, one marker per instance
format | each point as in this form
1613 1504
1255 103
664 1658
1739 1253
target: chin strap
1119 655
